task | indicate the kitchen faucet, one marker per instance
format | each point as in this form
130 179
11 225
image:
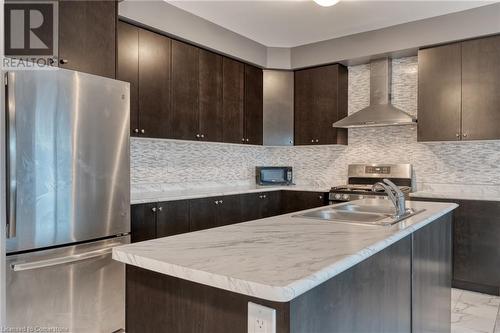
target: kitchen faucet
395 195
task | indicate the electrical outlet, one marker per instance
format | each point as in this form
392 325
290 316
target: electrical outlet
261 319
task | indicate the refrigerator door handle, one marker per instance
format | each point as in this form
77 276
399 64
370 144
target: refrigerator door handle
25 266
11 155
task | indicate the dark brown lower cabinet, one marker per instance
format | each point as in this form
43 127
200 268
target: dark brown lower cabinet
172 218
293 201
214 212
153 220
373 296
143 222
260 205
229 210
476 254
431 276
203 213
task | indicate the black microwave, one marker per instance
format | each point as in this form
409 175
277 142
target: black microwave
274 175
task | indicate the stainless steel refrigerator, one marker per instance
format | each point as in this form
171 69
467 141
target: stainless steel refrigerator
68 200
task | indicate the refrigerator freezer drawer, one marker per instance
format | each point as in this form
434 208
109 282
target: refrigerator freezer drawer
78 289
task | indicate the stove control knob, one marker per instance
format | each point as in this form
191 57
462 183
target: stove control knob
338 196
345 196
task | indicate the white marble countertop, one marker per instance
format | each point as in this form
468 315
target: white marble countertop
455 195
277 258
204 192
458 191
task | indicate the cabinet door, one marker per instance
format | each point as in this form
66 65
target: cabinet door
476 255
232 101
253 105
304 110
330 87
229 210
293 201
127 67
203 213
154 84
172 218
250 206
87 35
439 93
143 222
481 89
184 91
270 204
210 95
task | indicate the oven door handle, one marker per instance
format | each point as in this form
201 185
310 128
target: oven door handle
25 266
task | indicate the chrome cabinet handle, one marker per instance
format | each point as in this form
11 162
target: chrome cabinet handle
153 209
143 131
242 139
160 208
63 61
317 140
247 140
312 141
465 135
320 197
216 202
136 130
197 136
62 260
11 157
202 136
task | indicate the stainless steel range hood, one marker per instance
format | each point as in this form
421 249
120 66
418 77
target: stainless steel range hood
380 112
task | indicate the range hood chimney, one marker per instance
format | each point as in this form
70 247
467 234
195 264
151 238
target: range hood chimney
380 112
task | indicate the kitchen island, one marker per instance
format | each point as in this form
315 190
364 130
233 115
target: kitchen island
319 276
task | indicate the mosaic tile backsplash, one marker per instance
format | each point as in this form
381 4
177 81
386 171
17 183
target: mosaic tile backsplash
169 162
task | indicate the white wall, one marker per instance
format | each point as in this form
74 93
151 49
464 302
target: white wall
441 29
400 40
183 25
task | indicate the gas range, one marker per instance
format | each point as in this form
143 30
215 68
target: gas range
361 177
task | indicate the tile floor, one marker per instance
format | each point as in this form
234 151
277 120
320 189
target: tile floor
474 312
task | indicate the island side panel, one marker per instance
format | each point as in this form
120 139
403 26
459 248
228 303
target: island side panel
373 296
160 303
432 275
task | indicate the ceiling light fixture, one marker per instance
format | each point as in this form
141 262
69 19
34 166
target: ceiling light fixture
326 3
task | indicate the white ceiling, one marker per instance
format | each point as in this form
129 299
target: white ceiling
289 23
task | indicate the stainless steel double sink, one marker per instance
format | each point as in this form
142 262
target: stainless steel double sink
377 212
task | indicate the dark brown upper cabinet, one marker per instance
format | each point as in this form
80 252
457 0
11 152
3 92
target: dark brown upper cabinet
439 93
87 36
143 60
210 96
459 91
180 91
232 101
154 85
320 100
127 67
185 92
481 89
253 105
